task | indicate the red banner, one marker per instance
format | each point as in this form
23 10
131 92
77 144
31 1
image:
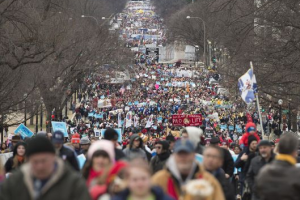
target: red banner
187 120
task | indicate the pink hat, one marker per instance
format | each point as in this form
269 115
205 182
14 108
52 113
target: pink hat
104 145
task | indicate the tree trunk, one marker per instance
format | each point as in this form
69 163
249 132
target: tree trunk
294 120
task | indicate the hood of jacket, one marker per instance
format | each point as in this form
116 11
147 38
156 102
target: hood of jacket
17 145
194 135
132 138
248 125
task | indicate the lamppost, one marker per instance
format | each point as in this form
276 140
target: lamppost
280 102
37 118
25 116
87 16
204 37
209 50
41 117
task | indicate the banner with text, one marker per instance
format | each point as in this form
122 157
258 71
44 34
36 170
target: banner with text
187 120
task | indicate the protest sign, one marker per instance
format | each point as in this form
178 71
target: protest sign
60 126
81 160
23 131
187 120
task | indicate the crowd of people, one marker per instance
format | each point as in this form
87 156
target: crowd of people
133 149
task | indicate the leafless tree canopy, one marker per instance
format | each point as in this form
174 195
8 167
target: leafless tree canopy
47 47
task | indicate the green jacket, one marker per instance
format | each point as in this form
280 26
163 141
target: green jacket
65 184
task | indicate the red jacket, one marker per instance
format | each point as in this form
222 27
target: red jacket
244 139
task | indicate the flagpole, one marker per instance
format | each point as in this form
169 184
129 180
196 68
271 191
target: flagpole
258 108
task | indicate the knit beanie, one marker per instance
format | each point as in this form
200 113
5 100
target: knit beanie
104 145
39 144
251 138
75 139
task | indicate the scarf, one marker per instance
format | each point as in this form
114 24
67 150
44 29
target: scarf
20 159
287 158
163 156
92 175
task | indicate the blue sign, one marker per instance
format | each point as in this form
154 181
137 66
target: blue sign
102 97
165 89
238 129
157 82
118 130
231 128
91 114
130 104
159 119
81 160
187 96
136 103
98 116
223 126
162 79
60 126
23 131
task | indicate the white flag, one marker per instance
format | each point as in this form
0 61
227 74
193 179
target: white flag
149 122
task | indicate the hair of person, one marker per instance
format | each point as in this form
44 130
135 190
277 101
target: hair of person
138 163
288 144
89 164
219 149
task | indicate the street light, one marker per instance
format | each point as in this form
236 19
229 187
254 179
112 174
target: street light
41 117
87 16
25 117
280 102
204 35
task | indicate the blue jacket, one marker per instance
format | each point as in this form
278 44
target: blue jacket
157 191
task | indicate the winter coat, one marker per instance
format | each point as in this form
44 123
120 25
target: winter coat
64 184
244 139
228 164
278 180
256 165
131 153
10 162
68 155
244 165
225 184
170 181
158 162
156 191
119 154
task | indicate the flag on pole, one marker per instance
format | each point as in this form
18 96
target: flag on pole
149 122
119 120
248 86
128 119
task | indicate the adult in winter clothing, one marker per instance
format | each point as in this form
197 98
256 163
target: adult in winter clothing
250 130
135 148
63 152
17 159
162 154
112 135
76 143
280 179
44 176
244 159
212 162
265 156
228 165
139 184
182 168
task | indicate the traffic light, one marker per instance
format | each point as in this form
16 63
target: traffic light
214 59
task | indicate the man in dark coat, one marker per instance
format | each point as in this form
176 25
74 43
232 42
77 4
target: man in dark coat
212 161
65 153
280 179
135 148
265 156
162 154
228 165
44 177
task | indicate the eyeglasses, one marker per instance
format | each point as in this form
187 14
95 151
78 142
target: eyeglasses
157 147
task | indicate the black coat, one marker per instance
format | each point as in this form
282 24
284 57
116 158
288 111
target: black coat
256 164
228 164
278 180
225 184
68 155
156 191
158 162
119 154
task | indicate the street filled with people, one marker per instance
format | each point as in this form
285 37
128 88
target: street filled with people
164 131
